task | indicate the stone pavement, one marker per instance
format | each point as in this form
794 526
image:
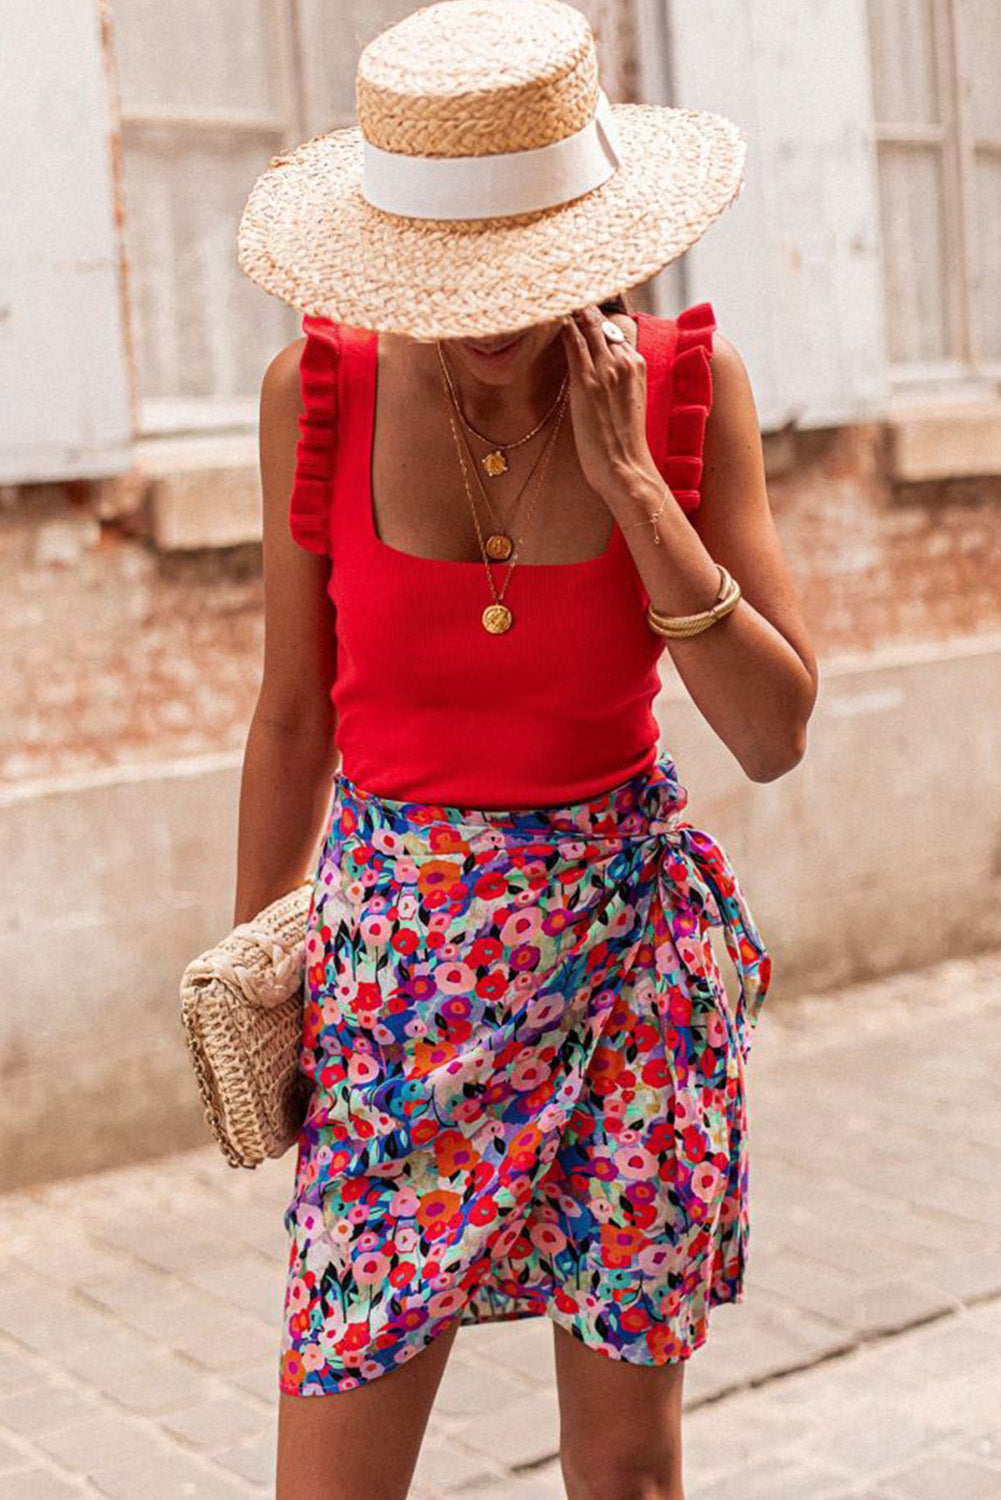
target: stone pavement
139 1308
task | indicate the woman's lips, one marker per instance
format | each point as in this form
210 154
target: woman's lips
498 351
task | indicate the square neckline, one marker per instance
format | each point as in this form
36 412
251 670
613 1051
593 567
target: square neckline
605 555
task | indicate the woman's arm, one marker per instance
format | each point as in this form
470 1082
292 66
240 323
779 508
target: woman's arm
753 675
290 753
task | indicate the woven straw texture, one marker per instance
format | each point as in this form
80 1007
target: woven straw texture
242 1011
467 78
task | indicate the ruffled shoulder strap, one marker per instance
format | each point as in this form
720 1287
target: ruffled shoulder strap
678 353
316 451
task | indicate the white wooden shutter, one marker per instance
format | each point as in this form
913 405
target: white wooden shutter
206 96
63 379
978 48
793 267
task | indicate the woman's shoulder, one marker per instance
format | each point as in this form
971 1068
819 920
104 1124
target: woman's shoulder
281 387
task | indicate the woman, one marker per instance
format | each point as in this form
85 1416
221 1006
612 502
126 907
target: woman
490 491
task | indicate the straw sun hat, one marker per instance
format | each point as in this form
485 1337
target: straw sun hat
488 184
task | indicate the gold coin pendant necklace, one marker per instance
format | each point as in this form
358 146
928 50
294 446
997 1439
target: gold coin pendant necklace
495 462
499 544
497 617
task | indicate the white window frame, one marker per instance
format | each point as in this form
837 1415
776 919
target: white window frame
966 373
198 416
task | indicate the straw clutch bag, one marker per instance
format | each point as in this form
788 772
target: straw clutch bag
242 1011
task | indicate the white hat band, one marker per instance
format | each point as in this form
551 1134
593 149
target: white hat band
487 187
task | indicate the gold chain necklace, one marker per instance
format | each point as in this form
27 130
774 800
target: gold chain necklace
499 544
497 617
495 462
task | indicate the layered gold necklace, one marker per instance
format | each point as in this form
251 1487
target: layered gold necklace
495 462
497 617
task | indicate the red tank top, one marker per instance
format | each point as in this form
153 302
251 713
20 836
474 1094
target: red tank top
429 706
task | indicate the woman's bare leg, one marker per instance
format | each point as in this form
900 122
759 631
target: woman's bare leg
361 1444
620 1425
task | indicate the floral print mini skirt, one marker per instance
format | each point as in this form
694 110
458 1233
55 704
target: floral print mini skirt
526 1080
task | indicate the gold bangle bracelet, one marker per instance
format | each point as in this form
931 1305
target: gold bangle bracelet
688 625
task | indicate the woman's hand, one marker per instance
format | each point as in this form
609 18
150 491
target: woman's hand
607 405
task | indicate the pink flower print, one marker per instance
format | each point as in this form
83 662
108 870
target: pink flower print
569 1088
715 1029
404 1203
455 978
548 1238
362 1069
623 921
405 871
636 1163
416 1027
340 1232
309 1219
705 1180
521 926
314 947
614 1107
406 906
297 1296
571 1208
386 841
444 1304
313 1357
654 1261
467 1111
602 1209
686 1109
504 1241
528 1073
405 1239
371 1268
376 931
491 1131
369 876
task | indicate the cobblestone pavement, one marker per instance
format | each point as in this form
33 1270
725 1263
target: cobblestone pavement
139 1308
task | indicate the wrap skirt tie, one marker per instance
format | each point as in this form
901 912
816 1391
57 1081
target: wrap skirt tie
527 1079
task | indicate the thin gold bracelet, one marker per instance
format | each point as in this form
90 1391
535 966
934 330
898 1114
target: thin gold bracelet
688 625
653 518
